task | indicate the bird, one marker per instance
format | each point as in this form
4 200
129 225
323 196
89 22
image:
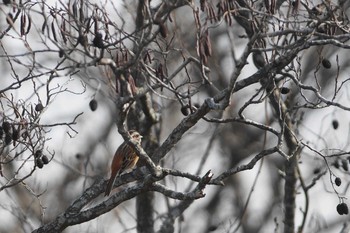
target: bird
124 158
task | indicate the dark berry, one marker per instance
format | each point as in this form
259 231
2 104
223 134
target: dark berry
38 153
336 164
93 105
97 41
285 90
212 228
39 163
326 63
184 110
39 107
45 159
335 124
60 53
317 170
342 208
337 181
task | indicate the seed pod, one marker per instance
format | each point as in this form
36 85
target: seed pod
63 31
39 163
93 105
335 124
39 107
337 181
23 24
326 63
29 25
53 31
43 27
285 90
45 159
75 9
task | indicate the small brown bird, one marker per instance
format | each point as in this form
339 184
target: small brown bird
124 158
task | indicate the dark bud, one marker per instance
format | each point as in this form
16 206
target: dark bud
335 124
337 181
184 110
345 165
6 126
285 90
78 156
97 41
39 107
39 163
336 164
45 159
61 53
212 228
82 40
93 105
6 1
8 139
342 208
317 170
38 153
258 59
326 63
